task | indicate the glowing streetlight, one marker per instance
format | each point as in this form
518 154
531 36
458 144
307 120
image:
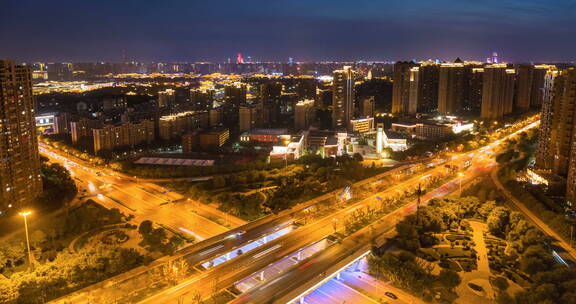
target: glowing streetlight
25 214
461 175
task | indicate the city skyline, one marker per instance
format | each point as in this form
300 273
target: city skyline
174 31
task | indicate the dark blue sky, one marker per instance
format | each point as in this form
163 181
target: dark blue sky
212 30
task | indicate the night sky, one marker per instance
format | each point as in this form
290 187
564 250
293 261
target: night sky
212 30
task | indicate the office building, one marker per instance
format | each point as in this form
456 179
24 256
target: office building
20 180
303 114
205 140
342 97
363 125
497 91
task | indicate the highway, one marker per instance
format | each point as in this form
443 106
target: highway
130 282
288 287
228 273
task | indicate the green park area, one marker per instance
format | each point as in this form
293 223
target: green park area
474 250
73 243
254 193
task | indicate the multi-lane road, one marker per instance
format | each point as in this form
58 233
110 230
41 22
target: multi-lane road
135 197
146 201
314 272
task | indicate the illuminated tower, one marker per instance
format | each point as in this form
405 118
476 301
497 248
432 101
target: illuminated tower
20 180
239 58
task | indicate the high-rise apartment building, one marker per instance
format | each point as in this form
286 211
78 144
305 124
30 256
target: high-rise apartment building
110 137
270 99
452 87
234 96
531 81
556 148
303 114
250 117
174 126
415 87
342 97
497 91
428 87
166 98
544 155
83 128
20 180
476 82
405 80
201 99
367 107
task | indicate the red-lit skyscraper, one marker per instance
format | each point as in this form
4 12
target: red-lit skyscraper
239 58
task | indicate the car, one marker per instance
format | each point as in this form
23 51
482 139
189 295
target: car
391 295
240 233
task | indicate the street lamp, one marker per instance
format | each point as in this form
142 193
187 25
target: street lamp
25 214
460 174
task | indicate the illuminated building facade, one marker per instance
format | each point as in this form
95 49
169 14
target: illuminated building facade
452 87
83 128
201 99
210 139
415 87
544 157
166 98
20 180
250 117
404 78
367 107
531 85
497 91
110 137
303 114
363 125
342 97
175 125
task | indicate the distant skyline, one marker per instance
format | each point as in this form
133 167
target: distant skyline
179 30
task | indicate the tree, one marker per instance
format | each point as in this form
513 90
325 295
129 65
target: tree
37 237
449 278
497 220
145 228
218 182
500 283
